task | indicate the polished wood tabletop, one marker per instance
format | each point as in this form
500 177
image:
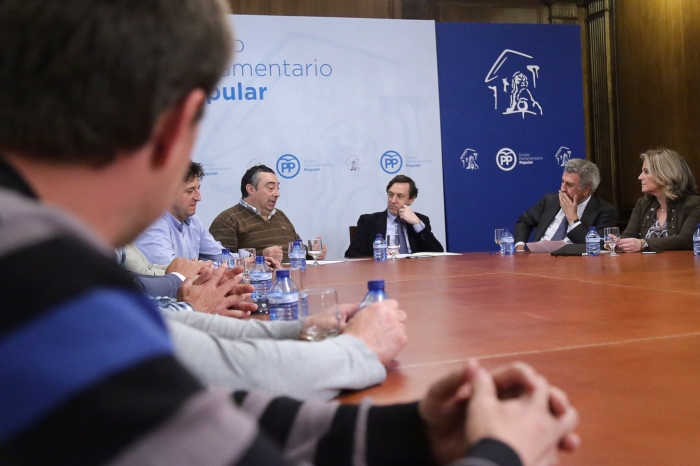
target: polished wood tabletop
621 335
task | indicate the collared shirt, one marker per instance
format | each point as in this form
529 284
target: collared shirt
168 238
255 210
171 304
558 219
391 228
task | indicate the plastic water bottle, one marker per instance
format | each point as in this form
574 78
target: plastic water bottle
296 256
696 241
261 279
226 258
303 255
379 247
283 298
592 242
375 294
507 243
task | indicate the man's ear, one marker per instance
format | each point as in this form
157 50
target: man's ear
249 188
176 129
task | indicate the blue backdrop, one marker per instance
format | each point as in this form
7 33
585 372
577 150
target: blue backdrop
511 111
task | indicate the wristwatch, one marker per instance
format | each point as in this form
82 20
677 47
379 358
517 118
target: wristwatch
645 246
571 223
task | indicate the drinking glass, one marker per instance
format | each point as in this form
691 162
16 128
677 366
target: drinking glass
612 237
324 315
296 276
392 245
238 261
248 256
498 234
315 250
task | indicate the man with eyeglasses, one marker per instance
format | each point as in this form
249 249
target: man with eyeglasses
567 214
415 234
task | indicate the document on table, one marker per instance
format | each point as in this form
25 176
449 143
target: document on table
418 255
545 246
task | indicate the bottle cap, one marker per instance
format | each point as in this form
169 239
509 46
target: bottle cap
379 235
591 228
225 251
374 285
282 273
260 260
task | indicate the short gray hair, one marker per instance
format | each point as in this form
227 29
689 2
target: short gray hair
587 172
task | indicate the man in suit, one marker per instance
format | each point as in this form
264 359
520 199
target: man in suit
413 229
568 214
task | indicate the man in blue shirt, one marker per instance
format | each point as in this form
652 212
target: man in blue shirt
178 232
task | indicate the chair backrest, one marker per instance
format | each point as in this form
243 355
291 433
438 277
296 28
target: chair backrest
352 232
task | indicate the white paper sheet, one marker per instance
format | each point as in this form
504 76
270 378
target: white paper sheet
546 246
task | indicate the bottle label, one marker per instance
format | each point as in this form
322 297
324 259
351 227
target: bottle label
284 298
261 284
284 307
295 263
262 281
260 277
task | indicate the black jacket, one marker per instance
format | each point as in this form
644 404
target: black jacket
597 213
370 225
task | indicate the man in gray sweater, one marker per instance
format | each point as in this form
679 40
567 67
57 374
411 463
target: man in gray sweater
224 351
245 355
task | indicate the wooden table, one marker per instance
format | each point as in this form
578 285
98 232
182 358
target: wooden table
621 335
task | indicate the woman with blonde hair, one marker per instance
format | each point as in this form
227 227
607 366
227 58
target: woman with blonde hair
666 216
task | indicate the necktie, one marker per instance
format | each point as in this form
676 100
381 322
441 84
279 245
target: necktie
560 234
403 249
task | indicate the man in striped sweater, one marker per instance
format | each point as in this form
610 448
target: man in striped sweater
255 222
101 95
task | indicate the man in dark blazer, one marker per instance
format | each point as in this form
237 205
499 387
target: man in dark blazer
397 218
568 214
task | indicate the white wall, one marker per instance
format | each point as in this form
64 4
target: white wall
369 86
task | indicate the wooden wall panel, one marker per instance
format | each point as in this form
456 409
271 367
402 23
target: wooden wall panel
658 64
475 13
602 104
338 8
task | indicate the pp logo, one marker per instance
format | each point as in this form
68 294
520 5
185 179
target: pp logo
506 159
391 162
288 166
